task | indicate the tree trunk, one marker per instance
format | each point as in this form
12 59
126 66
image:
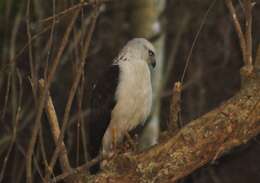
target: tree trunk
145 23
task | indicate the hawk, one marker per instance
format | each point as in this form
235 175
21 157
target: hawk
122 98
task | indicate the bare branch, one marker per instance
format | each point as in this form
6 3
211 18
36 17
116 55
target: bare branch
55 129
29 35
237 26
244 39
72 8
14 133
248 31
73 90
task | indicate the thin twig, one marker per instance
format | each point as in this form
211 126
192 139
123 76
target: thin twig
43 97
11 60
244 38
43 151
6 95
237 26
21 51
73 8
73 91
29 35
14 133
248 31
81 169
196 38
175 48
50 41
55 129
70 9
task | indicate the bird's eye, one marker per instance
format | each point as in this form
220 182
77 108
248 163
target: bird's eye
151 53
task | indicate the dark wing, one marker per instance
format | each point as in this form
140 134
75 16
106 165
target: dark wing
101 105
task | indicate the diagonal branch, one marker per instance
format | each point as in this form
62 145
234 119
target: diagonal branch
42 99
74 89
201 141
55 129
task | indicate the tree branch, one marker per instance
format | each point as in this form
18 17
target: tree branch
201 141
37 124
245 39
55 129
237 27
248 31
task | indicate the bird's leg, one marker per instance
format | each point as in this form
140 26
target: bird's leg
131 141
109 142
114 140
109 145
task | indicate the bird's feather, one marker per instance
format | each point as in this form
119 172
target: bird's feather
102 103
121 99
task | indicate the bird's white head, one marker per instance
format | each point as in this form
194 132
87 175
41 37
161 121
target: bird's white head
140 49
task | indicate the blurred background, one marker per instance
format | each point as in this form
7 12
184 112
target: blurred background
30 38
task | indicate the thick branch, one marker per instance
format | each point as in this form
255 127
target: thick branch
201 141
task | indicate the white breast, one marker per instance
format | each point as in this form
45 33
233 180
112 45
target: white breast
134 95
134 101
